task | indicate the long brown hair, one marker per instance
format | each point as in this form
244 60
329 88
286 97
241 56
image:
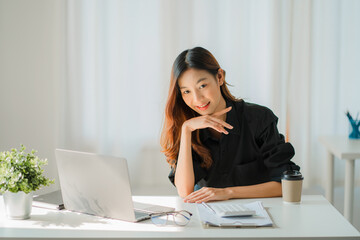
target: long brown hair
176 110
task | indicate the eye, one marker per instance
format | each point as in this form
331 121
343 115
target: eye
186 92
202 86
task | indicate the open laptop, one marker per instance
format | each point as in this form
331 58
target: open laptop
99 185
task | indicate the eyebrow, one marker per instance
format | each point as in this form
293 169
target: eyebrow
200 80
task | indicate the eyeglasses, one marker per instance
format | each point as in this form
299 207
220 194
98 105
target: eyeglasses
181 218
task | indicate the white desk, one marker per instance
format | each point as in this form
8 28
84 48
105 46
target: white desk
315 217
343 148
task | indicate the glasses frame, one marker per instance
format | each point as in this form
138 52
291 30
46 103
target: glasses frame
172 213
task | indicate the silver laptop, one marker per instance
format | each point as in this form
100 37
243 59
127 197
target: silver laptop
99 185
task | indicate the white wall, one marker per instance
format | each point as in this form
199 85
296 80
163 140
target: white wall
31 66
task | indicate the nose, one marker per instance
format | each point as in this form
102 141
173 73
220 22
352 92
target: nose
197 98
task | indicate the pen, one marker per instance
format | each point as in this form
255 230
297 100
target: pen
208 207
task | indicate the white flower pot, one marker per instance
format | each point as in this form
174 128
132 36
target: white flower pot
18 205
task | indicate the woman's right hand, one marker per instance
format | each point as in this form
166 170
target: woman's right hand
209 121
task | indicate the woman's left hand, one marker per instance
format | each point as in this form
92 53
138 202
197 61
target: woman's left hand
207 194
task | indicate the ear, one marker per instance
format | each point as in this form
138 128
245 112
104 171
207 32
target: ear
220 76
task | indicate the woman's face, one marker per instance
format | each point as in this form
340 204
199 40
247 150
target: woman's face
200 90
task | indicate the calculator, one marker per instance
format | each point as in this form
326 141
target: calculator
231 210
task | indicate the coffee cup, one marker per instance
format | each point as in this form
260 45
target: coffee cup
291 182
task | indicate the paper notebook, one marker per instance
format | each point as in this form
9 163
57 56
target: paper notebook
260 219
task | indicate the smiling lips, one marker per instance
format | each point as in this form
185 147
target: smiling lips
203 107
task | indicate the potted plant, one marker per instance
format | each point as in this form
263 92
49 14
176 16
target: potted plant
20 174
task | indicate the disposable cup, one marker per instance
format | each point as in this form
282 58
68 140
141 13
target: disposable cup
291 186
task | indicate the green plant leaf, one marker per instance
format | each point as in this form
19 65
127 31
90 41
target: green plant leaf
20 171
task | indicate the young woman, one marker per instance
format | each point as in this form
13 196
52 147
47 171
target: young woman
225 146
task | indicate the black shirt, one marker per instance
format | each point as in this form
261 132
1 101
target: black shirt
253 152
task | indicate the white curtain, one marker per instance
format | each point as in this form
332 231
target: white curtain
299 58
324 80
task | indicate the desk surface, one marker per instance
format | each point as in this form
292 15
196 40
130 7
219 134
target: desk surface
315 217
341 146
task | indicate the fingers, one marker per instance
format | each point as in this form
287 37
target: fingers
219 128
205 199
221 122
196 196
218 125
209 121
203 195
212 123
